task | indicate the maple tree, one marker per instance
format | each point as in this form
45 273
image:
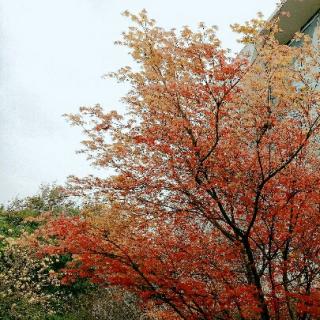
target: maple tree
212 210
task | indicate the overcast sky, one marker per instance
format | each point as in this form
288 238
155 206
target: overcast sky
53 54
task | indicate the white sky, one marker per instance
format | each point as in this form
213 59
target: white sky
53 54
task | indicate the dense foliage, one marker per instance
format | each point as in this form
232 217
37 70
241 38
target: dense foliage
31 286
213 208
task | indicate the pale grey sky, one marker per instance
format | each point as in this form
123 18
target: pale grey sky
53 54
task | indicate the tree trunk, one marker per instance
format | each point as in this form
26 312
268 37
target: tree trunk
254 279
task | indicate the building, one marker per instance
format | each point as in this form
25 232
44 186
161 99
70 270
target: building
304 16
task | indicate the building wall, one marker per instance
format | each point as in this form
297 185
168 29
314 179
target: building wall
311 28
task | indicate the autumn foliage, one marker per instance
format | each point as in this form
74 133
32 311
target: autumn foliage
212 208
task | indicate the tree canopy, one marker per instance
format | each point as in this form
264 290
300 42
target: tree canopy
212 210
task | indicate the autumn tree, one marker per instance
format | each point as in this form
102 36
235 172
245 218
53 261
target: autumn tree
213 208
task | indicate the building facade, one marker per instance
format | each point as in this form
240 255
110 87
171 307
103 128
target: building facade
301 16
304 16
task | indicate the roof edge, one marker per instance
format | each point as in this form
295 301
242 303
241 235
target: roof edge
300 12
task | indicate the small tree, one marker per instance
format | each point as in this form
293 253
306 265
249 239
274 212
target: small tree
213 210
51 198
28 288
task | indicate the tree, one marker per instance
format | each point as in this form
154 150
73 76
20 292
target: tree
213 208
28 289
51 198
30 286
